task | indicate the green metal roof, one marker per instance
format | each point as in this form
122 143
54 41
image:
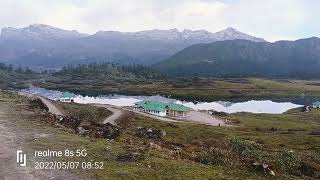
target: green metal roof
178 107
160 106
153 105
140 103
68 95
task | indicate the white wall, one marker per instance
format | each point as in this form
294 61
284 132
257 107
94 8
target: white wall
65 100
161 113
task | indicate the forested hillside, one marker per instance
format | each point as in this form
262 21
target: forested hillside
11 78
241 58
107 71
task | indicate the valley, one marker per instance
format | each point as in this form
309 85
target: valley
194 89
281 141
234 106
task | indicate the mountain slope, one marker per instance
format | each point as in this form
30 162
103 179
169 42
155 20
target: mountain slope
43 45
246 58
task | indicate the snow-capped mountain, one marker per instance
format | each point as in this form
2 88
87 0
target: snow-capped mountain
39 32
174 35
232 34
35 44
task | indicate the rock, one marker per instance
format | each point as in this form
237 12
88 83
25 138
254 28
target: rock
216 113
310 169
40 136
150 133
37 103
82 131
172 125
272 173
154 146
265 168
177 152
128 157
106 131
306 109
69 122
259 129
316 133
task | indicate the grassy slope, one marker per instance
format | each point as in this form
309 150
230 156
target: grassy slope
88 113
159 164
201 89
15 80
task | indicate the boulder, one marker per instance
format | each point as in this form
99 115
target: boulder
37 103
106 131
265 168
150 133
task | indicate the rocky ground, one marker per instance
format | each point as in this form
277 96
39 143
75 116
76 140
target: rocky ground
16 135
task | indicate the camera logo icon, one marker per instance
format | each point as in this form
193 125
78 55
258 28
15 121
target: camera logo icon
21 158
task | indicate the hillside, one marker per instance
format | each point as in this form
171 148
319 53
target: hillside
90 78
11 78
107 71
41 45
256 146
242 58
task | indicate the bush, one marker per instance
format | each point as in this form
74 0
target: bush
214 156
246 148
288 162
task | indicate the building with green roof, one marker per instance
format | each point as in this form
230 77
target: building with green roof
67 97
163 109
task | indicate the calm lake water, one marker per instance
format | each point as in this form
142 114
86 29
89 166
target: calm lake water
252 106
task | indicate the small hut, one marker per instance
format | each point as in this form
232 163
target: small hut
67 97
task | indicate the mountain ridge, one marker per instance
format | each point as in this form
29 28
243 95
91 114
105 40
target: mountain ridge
36 44
184 34
242 58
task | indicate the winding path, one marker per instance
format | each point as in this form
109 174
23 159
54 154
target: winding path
15 135
52 108
116 113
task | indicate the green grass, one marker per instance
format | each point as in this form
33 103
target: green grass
204 89
227 151
87 113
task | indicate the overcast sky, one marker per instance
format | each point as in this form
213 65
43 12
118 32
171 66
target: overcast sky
269 19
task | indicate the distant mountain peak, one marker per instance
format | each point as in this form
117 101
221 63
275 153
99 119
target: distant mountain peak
231 33
42 42
231 29
39 32
36 25
185 36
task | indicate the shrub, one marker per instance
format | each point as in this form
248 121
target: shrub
287 161
214 156
246 148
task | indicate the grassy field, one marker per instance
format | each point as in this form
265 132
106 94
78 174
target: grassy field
287 143
193 88
87 113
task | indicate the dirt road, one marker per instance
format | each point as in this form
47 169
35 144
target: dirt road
52 108
116 113
9 145
195 116
15 136
204 118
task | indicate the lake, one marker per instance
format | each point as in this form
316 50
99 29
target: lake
252 106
